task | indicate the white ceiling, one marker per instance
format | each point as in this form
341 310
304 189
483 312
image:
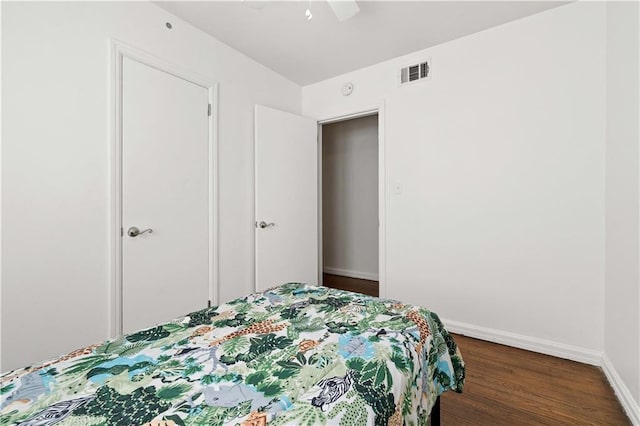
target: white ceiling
278 35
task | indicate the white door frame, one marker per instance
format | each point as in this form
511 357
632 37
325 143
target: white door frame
118 51
382 221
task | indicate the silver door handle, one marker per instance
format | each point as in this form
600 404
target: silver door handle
134 231
264 224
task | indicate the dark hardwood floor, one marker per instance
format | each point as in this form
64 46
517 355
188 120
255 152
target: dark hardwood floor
509 386
351 284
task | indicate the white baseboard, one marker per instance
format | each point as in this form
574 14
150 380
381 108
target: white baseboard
548 347
631 407
351 274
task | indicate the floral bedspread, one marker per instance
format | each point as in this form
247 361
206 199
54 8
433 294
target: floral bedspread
295 355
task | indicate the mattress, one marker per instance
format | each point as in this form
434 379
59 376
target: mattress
292 355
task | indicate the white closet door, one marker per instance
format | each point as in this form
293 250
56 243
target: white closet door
286 198
165 188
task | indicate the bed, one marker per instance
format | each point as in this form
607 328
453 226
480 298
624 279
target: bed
292 355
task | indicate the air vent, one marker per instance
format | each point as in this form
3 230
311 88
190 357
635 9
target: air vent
414 73
424 70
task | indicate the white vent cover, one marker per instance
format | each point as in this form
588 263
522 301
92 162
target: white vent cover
414 73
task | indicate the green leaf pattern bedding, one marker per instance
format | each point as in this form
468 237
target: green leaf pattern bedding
292 355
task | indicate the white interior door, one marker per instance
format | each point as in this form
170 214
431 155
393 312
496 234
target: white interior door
286 173
165 188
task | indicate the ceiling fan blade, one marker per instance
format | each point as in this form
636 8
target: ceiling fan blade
344 9
257 5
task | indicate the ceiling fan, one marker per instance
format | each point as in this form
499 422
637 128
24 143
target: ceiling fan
343 9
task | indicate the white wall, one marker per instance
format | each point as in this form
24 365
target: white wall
55 170
350 197
622 309
500 161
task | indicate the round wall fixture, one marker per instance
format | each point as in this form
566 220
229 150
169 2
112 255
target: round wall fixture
168 25
347 88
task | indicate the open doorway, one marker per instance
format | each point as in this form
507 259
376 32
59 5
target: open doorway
349 200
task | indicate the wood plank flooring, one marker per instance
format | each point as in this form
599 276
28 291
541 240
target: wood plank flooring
351 284
512 386
509 386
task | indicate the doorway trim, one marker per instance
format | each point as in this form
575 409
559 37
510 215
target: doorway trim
118 51
366 110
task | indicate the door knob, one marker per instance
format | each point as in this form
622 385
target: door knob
264 224
134 231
